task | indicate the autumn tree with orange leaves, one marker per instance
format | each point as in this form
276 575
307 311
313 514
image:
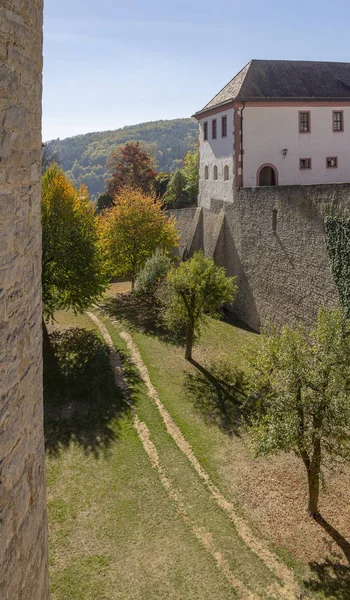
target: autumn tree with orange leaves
132 229
131 165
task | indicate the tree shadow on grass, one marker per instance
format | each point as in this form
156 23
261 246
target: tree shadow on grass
81 401
219 394
142 314
331 577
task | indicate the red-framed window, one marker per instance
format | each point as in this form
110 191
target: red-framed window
213 129
305 163
332 162
338 120
304 121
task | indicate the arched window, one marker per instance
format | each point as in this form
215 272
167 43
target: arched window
215 172
226 173
206 172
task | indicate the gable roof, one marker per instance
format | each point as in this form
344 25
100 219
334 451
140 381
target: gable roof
283 80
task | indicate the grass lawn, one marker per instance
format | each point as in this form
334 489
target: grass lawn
112 531
269 493
121 528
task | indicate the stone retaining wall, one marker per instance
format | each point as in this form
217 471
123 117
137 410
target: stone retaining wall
284 275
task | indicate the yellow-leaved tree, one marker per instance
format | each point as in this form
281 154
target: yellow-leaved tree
73 272
132 229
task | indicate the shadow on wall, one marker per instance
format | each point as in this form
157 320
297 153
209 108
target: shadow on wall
244 306
81 402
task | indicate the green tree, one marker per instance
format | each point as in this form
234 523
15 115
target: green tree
176 195
301 382
73 271
104 201
182 189
162 182
76 170
191 173
132 166
195 291
132 229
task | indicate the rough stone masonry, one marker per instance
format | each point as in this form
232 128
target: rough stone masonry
23 520
272 239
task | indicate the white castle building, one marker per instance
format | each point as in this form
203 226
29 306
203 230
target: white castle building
276 122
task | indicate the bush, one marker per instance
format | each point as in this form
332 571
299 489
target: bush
153 273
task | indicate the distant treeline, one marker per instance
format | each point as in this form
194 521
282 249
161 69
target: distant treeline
84 157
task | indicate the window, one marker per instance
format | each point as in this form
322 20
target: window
205 130
305 163
226 173
304 122
338 124
224 126
206 172
215 172
332 162
213 129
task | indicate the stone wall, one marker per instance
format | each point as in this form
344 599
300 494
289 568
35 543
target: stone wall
283 276
23 521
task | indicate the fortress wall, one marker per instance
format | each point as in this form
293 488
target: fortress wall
23 521
283 276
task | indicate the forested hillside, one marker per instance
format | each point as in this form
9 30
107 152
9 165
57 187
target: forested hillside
84 157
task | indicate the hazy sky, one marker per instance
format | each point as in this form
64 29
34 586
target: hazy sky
109 63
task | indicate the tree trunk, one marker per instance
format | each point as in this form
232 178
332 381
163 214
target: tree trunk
132 285
314 480
189 342
314 485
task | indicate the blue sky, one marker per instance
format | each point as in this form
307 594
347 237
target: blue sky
109 63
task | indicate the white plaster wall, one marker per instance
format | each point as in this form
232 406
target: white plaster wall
267 130
217 152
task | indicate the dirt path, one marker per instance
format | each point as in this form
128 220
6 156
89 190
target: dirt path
289 589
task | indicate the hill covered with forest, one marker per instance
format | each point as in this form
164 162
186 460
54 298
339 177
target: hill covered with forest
84 157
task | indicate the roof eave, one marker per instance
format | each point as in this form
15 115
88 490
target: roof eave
197 115
295 99
216 107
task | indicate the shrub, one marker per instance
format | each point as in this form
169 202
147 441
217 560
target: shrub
153 273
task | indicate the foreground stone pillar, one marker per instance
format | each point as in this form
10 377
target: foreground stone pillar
23 521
